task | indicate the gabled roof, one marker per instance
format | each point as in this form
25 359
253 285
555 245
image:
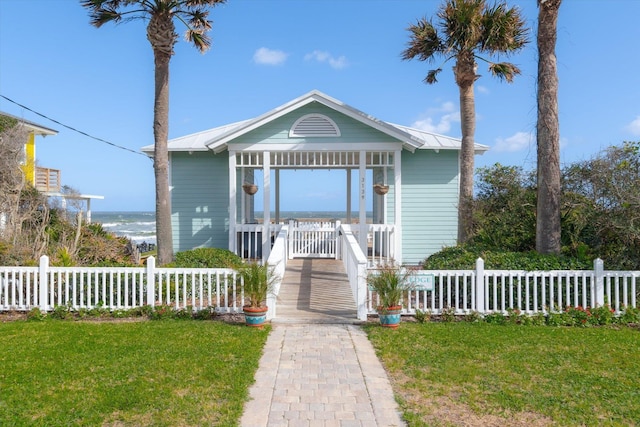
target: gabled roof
216 139
32 126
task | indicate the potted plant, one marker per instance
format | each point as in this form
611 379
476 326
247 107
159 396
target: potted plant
258 283
389 282
249 188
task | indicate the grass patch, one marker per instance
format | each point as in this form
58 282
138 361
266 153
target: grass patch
164 373
475 374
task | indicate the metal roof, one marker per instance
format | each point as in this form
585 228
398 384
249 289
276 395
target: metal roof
33 126
216 139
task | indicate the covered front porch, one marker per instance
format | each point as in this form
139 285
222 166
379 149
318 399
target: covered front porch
371 209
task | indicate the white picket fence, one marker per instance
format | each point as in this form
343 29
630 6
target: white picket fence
113 288
487 291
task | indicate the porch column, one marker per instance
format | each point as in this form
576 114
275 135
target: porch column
362 183
397 197
277 171
232 201
349 196
266 210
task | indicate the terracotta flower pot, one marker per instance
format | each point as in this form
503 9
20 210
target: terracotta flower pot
390 316
255 316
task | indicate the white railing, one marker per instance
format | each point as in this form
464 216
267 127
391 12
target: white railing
355 264
382 243
487 291
278 263
249 239
113 288
313 239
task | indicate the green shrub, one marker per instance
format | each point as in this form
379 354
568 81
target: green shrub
61 312
463 257
448 315
422 316
630 315
473 317
496 318
206 258
602 315
35 315
162 312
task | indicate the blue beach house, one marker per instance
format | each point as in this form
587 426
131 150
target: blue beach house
408 179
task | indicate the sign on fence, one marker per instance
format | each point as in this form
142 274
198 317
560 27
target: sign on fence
421 281
417 280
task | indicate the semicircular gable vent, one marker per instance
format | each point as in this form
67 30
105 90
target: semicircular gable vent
314 125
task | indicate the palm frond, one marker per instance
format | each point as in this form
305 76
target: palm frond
424 42
504 70
461 22
504 30
432 76
200 40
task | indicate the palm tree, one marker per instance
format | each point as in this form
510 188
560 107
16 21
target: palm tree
162 36
548 229
466 28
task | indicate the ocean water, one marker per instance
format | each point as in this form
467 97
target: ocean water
140 227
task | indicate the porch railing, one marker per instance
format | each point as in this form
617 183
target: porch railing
48 180
278 262
249 239
355 264
382 243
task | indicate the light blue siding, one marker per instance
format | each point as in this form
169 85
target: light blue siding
199 200
429 203
277 131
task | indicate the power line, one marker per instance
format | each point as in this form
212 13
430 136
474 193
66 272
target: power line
74 129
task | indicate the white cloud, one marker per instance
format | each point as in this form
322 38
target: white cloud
634 126
266 56
439 119
517 142
323 56
482 89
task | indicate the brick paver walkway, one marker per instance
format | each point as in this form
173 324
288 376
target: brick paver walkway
319 371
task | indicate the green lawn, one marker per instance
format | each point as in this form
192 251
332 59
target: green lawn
161 373
483 374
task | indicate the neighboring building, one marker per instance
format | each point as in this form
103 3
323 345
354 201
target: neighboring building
46 180
417 173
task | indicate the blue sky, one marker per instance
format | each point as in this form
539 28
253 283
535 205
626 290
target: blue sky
266 53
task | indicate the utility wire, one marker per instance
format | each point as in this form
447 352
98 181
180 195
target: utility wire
74 129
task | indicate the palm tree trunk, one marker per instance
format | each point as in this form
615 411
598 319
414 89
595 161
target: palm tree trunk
548 228
161 34
465 77
161 163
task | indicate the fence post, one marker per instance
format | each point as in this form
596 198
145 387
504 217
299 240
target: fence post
480 303
43 278
598 290
151 281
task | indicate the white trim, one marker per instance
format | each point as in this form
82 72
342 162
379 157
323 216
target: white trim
315 146
397 194
266 211
232 201
317 126
362 196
